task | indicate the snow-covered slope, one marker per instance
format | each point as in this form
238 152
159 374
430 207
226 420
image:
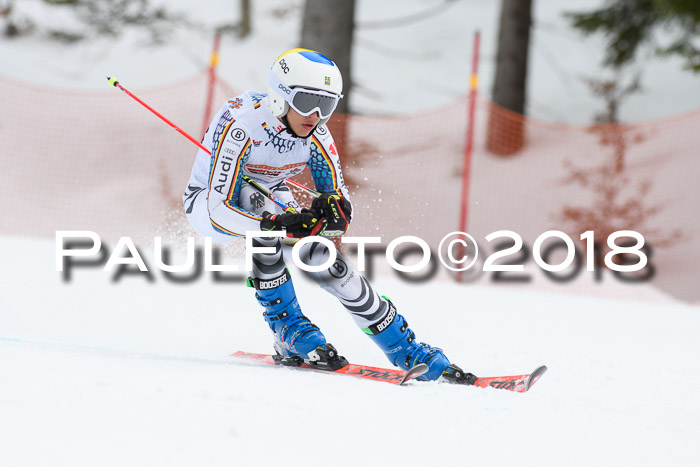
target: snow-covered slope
95 373
136 373
404 68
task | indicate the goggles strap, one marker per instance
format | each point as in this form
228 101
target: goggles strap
279 87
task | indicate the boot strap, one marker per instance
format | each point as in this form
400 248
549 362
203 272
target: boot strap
277 317
276 301
268 284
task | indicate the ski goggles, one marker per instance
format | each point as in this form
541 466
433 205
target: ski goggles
306 101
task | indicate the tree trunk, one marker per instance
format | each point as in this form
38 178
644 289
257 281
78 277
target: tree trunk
505 134
328 27
245 25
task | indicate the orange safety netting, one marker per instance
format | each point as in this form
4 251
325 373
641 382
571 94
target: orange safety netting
97 160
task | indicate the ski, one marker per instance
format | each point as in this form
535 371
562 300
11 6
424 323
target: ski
519 383
385 375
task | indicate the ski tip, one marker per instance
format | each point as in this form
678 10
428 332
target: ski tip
535 376
415 372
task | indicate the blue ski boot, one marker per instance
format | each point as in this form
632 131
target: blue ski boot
297 340
398 342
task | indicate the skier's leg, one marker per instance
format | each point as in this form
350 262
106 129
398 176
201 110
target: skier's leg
295 335
376 316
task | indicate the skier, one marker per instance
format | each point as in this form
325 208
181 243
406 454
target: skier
268 138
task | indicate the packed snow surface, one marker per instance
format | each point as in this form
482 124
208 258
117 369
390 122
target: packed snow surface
137 373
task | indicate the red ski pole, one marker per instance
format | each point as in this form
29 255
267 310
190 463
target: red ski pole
115 83
261 189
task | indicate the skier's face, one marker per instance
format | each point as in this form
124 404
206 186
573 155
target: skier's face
300 125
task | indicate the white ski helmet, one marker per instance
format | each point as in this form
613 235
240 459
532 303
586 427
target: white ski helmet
306 80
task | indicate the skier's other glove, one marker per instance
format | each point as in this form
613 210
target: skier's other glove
298 225
335 211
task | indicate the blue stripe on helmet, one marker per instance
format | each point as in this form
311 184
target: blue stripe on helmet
316 57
